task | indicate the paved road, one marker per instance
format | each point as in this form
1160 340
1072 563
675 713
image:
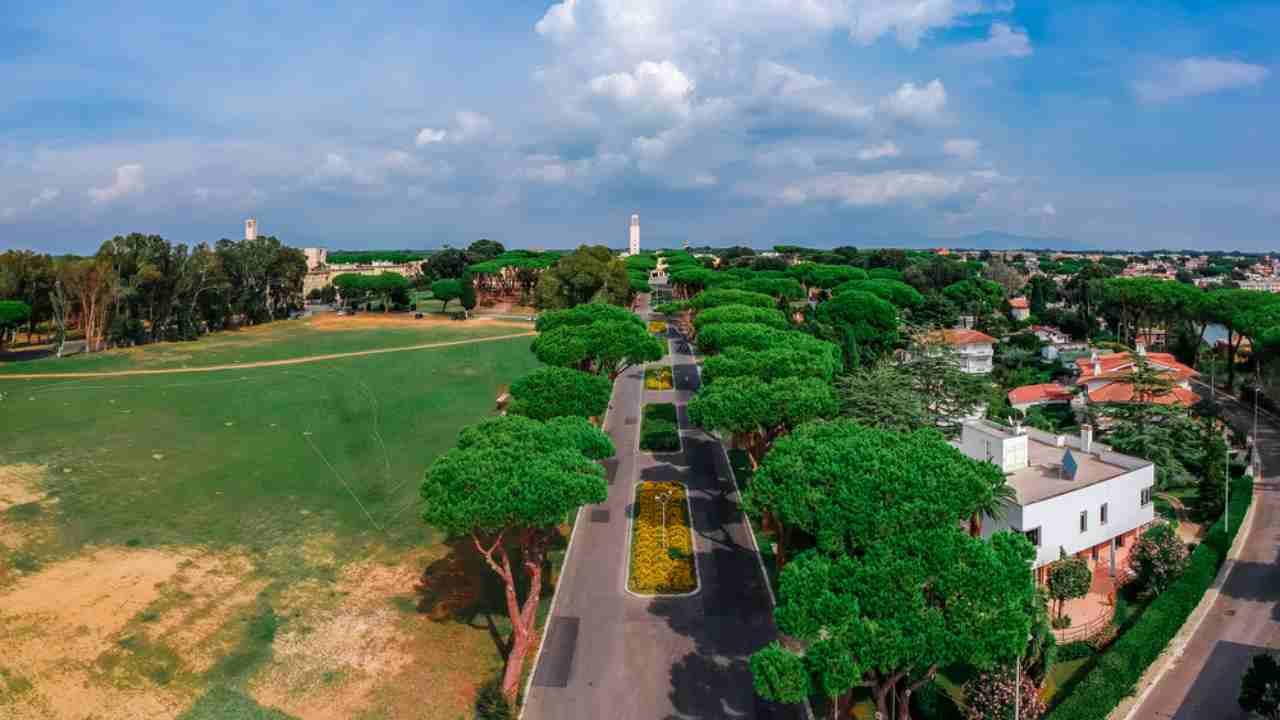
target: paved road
1245 620
609 654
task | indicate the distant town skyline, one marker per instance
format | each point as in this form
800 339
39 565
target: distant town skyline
540 124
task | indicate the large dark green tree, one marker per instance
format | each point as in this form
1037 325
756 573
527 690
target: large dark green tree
882 396
740 314
890 617
757 412
1260 687
509 484
551 392
588 274
604 347
864 324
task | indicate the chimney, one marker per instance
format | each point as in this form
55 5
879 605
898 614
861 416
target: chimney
1086 438
1141 347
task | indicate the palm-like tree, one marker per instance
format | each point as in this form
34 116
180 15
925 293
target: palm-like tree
1002 496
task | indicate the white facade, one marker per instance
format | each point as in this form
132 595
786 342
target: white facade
975 358
251 229
1064 513
634 246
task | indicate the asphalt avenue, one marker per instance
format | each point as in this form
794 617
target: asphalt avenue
611 654
1245 620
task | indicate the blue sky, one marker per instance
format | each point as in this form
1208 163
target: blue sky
544 124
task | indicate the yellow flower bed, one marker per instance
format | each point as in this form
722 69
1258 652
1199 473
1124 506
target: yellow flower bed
657 569
657 326
658 378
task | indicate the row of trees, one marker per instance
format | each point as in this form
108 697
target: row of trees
142 288
879 579
512 482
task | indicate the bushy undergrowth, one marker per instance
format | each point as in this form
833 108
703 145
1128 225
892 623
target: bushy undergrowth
1118 669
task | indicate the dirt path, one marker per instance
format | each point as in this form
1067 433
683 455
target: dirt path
1188 531
260 364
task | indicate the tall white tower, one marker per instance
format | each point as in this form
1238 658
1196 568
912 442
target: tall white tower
635 234
250 229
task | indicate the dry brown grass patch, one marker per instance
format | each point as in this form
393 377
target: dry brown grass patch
20 484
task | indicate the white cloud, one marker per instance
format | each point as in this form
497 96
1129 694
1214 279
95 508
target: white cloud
652 87
429 136
923 104
874 189
784 87
45 197
467 126
558 22
964 148
1002 40
128 182
470 126
1045 210
1194 76
705 179
885 149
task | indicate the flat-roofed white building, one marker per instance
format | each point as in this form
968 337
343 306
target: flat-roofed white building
1072 494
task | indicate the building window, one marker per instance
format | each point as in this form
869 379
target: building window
1084 520
1034 536
1120 540
1145 498
1102 514
1095 553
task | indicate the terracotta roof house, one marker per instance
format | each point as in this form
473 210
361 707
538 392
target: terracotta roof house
1105 378
1019 308
973 349
1027 396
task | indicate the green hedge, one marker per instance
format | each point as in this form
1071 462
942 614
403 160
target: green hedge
659 430
1119 668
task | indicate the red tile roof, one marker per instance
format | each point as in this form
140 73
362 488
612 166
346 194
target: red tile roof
1121 392
960 336
1018 303
1045 392
1118 366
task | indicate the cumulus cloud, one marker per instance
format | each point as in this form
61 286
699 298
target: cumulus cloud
653 87
1002 40
467 126
1194 76
921 104
874 189
963 148
638 25
788 89
128 182
885 149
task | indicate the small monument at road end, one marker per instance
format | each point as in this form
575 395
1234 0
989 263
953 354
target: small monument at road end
634 248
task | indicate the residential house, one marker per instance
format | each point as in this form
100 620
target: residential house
1019 308
1105 378
1029 396
1072 495
974 350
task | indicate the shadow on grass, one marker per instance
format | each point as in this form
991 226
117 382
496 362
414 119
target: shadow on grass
461 587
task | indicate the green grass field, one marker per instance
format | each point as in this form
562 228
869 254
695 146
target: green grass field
322 335
304 470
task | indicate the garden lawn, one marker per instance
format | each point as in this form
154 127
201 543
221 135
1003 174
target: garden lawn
280 498
318 335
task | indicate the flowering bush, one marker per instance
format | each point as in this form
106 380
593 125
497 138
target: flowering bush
989 696
1158 558
661 566
657 326
658 378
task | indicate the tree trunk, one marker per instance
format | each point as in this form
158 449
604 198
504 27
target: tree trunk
523 616
975 524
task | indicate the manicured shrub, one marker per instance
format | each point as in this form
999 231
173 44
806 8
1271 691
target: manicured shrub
1118 669
659 429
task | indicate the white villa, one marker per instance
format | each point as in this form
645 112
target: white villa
1073 494
974 349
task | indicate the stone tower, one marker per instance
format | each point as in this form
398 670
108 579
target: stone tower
250 229
635 235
